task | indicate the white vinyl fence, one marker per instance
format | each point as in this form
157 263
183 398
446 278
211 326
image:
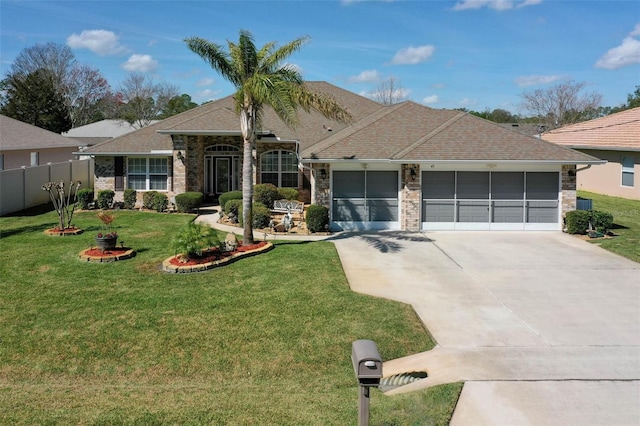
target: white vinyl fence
22 188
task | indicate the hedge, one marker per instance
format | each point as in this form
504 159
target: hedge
105 198
265 193
577 221
85 197
317 218
189 201
130 198
231 195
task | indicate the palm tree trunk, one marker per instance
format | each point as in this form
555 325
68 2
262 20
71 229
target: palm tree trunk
248 134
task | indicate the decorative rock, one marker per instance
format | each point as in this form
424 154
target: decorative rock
230 242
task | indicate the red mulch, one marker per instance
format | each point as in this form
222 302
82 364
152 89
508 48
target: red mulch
215 254
96 252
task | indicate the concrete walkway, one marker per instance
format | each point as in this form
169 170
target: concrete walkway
543 328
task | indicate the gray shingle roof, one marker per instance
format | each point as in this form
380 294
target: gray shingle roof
16 135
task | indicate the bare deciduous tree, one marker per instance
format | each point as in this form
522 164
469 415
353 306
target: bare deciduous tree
143 100
562 104
390 92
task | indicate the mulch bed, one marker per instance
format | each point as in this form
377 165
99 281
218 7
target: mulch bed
57 232
213 258
110 255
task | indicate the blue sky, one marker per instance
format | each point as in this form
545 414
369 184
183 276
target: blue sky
476 54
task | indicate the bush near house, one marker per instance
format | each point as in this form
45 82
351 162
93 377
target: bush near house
265 193
317 218
232 206
231 195
287 194
148 199
105 198
160 202
85 197
261 215
189 201
130 198
577 221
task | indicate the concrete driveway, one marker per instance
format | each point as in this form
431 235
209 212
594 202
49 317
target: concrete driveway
542 327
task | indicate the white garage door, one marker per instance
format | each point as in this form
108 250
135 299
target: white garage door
365 199
490 200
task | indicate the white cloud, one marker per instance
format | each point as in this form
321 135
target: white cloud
494 4
466 102
205 82
368 76
206 95
413 55
534 80
433 99
140 63
101 42
627 53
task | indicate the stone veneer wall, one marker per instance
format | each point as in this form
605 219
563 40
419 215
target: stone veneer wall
323 186
104 174
410 198
568 188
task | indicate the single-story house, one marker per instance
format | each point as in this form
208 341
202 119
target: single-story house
614 138
404 166
25 145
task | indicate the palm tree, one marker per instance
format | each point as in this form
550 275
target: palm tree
262 78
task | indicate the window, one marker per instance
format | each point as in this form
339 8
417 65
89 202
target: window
147 173
35 158
279 168
627 171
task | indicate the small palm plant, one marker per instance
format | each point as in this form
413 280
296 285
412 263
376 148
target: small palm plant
193 240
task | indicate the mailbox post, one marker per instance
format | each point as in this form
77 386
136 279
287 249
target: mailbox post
367 365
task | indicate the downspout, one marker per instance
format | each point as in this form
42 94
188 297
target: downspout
588 166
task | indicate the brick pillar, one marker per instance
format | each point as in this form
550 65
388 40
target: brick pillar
568 188
410 198
323 185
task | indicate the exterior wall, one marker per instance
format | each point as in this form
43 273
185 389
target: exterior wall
104 173
410 198
568 188
22 158
322 190
607 178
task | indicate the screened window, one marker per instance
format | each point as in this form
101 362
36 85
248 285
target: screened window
279 168
627 171
147 173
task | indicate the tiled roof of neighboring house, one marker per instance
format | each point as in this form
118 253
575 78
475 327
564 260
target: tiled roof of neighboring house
620 131
93 133
16 135
413 132
219 116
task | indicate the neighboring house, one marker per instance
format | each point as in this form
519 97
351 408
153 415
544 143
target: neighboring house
614 138
101 131
25 145
404 166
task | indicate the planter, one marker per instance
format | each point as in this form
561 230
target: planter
106 243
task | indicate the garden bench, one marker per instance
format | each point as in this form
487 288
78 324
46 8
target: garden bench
289 206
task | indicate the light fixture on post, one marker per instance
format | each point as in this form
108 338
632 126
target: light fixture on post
413 173
180 156
323 173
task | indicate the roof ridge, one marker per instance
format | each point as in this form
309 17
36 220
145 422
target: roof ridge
429 135
348 131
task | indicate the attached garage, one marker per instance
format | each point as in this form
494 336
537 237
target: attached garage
365 199
490 200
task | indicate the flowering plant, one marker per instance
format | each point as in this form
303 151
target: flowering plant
106 218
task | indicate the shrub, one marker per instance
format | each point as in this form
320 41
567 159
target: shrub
231 195
85 197
317 218
233 206
261 215
160 202
601 221
148 199
105 198
265 193
130 198
193 240
287 194
577 221
189 201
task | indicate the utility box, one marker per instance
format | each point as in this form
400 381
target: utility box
367 362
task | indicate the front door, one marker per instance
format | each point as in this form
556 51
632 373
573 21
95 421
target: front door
221 175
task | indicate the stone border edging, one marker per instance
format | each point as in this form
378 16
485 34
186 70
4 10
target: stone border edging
167 266
69 231
104 259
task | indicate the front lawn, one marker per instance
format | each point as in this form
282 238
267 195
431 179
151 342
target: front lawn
626 224
266 340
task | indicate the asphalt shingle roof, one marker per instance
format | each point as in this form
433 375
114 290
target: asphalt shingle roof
620 131
16 135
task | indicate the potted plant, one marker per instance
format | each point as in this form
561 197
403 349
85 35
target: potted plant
107 238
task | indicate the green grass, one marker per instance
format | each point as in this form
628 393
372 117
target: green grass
266 340
626 219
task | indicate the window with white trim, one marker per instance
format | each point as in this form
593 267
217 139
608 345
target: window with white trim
627 171
279 168
147 174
